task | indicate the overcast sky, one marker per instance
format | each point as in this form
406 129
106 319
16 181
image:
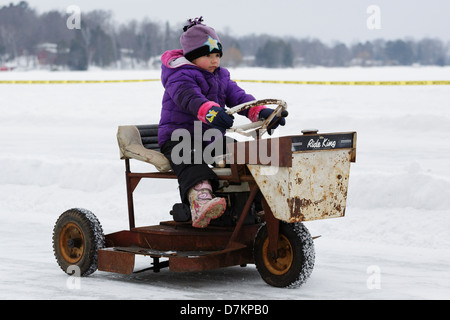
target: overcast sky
327 20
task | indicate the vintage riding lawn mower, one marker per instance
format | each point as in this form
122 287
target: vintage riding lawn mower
271 186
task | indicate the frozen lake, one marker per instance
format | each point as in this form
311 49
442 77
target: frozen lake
59 150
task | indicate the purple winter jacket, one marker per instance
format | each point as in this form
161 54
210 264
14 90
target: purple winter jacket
187 88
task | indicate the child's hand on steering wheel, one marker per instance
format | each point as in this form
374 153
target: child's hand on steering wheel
276 121
219 119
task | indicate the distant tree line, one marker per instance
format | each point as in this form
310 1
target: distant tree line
102 42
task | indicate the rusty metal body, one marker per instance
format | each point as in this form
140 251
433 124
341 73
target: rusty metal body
186 248
301 178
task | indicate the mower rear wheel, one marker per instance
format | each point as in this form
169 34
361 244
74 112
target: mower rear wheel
295 256
77 236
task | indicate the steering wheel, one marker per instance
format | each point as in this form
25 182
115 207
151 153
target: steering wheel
257 129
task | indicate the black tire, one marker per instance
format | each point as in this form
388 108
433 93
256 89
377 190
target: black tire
77 236
295 256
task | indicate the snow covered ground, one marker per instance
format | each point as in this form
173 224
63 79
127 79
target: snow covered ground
59 150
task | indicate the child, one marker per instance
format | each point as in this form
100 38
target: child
198 89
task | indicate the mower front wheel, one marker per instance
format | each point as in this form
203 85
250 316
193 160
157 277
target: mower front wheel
295 256
77 236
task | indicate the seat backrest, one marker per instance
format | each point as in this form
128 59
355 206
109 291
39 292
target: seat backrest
140 142
131 145
149 136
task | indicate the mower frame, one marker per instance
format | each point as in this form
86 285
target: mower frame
289 197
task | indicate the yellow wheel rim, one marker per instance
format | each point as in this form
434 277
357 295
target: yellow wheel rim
71 243
283 263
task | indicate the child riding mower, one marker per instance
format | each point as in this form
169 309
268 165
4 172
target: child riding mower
271 187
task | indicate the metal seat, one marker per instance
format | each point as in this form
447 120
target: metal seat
141 143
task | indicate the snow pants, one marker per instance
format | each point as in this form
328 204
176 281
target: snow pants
194 167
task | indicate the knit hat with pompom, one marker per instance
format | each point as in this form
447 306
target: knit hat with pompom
199 40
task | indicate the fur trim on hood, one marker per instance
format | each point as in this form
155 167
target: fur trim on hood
174 59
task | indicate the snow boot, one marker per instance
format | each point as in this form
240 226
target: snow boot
203 206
